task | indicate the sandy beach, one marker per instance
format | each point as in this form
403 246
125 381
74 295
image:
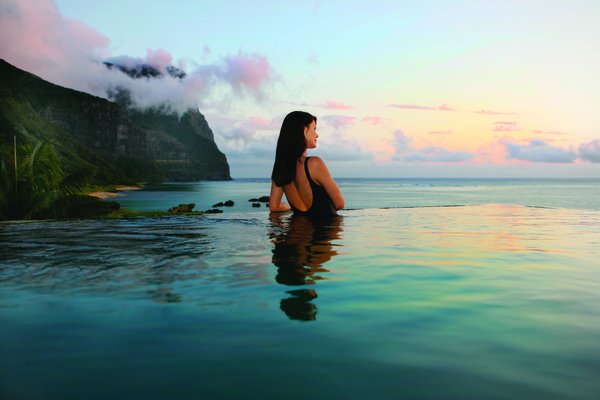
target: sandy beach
113 193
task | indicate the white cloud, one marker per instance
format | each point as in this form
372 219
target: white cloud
538 151
337 122
69 53
338 147
590 151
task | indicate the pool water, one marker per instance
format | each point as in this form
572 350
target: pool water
470 302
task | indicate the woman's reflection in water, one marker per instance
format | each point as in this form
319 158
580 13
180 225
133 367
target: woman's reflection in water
301 246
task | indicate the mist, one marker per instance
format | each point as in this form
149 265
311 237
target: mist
35 37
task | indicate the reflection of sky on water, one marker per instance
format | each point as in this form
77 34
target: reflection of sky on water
479 300
154 258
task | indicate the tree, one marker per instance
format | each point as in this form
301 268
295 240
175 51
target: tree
40 188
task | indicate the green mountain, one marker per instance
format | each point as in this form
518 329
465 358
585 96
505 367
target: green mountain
118 143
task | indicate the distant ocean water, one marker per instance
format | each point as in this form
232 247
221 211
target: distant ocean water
385 193
421 289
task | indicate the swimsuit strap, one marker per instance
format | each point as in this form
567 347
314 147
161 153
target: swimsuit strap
321 203
310 181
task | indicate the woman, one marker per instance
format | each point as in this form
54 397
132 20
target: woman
306 182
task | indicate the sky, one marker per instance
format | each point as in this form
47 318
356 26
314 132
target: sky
400 88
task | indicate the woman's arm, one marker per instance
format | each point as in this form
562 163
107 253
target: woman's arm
321 175
275 203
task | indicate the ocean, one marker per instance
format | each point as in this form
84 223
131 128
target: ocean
384 193
420 289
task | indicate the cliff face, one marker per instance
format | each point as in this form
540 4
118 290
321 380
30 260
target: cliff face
119 142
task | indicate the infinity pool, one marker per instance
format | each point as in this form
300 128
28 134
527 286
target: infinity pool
470 302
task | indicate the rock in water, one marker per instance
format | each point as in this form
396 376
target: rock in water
263 199
182 208
228 203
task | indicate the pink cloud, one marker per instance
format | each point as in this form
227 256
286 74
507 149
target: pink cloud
246 72
443 107
491 112
70 53
406 151
410 107
506 126
590 151
494 152
260 123
538 131
159 58
334 105
372 120
337 122
45 43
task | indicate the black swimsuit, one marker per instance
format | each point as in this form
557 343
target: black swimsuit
321 204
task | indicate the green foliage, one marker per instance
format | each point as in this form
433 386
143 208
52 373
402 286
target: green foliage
40 188
83 206
115 144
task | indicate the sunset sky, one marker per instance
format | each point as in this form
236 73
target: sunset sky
400 88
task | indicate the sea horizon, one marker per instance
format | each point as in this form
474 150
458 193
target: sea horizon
365 193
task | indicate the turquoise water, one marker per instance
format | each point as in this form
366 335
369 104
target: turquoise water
481 297
378 193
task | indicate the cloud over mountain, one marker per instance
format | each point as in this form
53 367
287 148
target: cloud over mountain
70 53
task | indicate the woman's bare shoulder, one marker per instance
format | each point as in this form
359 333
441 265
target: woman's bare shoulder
318 169
322 177
316 162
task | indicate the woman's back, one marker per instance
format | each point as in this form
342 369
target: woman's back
299 192
305 195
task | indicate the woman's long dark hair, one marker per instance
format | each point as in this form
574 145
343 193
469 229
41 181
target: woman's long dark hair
290 146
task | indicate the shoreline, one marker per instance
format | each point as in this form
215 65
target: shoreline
109 194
